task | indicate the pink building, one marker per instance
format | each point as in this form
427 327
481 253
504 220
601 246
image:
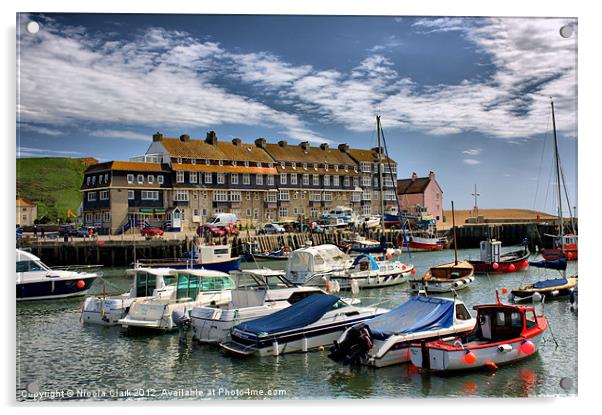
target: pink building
421 195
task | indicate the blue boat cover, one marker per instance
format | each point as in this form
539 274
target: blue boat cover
416 314
559 264
302 313
370 258
550 283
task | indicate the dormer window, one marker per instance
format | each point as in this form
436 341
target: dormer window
326 166
294 165
283 164
106 177
140 178
93 180
336 167
270 165
179 160
208 162
315 166
234 163
246 164
130 178
220 162
258 164
305 166
346 168
100 179
192 161
88 180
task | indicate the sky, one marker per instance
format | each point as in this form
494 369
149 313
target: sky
468 98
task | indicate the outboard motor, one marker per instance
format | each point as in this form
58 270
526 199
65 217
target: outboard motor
354 347
181 319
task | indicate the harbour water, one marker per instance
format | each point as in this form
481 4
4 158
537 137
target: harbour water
58 358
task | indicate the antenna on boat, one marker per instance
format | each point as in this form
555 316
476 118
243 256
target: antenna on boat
455 240
561 229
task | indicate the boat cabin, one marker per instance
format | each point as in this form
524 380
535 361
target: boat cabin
500 322
569 241
190 283
261 278
491 251
209 254
148 280
452 270
28 262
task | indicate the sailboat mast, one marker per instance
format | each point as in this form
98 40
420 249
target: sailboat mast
380 175
455 240
557 157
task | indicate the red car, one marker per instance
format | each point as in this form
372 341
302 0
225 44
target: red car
216 230
151 232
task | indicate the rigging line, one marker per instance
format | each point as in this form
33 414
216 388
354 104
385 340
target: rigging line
393 179
543 151
568 202
545 203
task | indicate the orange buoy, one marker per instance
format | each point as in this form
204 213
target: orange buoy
490 365
470 358
495 265
527 347
511 268
504 290
80 284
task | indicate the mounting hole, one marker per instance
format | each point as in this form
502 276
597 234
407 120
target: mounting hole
566 31
33 27
566 383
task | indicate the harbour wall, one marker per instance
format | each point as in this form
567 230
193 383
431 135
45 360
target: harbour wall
122 253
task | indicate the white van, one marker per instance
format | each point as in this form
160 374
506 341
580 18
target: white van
222 219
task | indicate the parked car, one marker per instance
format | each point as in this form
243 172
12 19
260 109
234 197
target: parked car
211 230
69 230
151 231
223 219
84 231
270 229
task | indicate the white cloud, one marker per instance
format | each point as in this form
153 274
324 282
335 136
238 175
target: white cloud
471 162
472 151
123 134
38 129
43 152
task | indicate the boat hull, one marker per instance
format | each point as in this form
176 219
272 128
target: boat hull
58 288
441 286
232 264
556 253
421 246
379 281
105 311
553 292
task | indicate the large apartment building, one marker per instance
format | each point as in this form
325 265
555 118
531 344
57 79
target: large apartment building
183 181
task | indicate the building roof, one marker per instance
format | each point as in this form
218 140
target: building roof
368 155
224 169
221 150
311 154
409 186
127 166
21 202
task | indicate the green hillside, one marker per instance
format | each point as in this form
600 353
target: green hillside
52 183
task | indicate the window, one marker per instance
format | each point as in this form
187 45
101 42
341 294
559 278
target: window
220 196
104 195
500 318
107 216
150 179
327 197
356 181
160 179
131 195
106 177
293 179
193 161
180 196
249 213
366 181
326 167
246 164
234 163
100 179
207 162
259 164
221 178
336 167
234 196
208 178
247 195
305 166
366 195
346 181
516 320
259 179
315 196
246 179
270 165
326 180
193 176
179 160
316 180
356 196
180 177
306 180
256 195
91 196
283 212
283 164
220 162
283 195
294 165
270 197
283 178
365 167
390 195
461 312
346 167
234 178
152 195
335 180
88 179
270 180
93 180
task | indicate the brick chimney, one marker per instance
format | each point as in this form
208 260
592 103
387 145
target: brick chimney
344 148
431 175
304 145
414 176
184 138
260 142
236 141
211 138
324 146
157 136
282 143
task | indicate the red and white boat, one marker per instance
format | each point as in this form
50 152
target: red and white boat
427 243
566 247
504 334
493 260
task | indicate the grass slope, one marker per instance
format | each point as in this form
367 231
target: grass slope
52 183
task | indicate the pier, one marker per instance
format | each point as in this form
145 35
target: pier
122 252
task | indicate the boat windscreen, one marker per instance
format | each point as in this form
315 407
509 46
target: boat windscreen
415 315
302 313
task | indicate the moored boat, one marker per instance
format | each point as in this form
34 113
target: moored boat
314 262
504 334
189 288
545 289
493 260
385 340
258 292
315 321
210 257
108 310
368 272
37 281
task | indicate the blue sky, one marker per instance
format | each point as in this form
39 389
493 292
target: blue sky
465 97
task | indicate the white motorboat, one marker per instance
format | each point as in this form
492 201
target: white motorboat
258 292
36 281
308 324
191 288
385 340
313 262
367 272
108 310
445 278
